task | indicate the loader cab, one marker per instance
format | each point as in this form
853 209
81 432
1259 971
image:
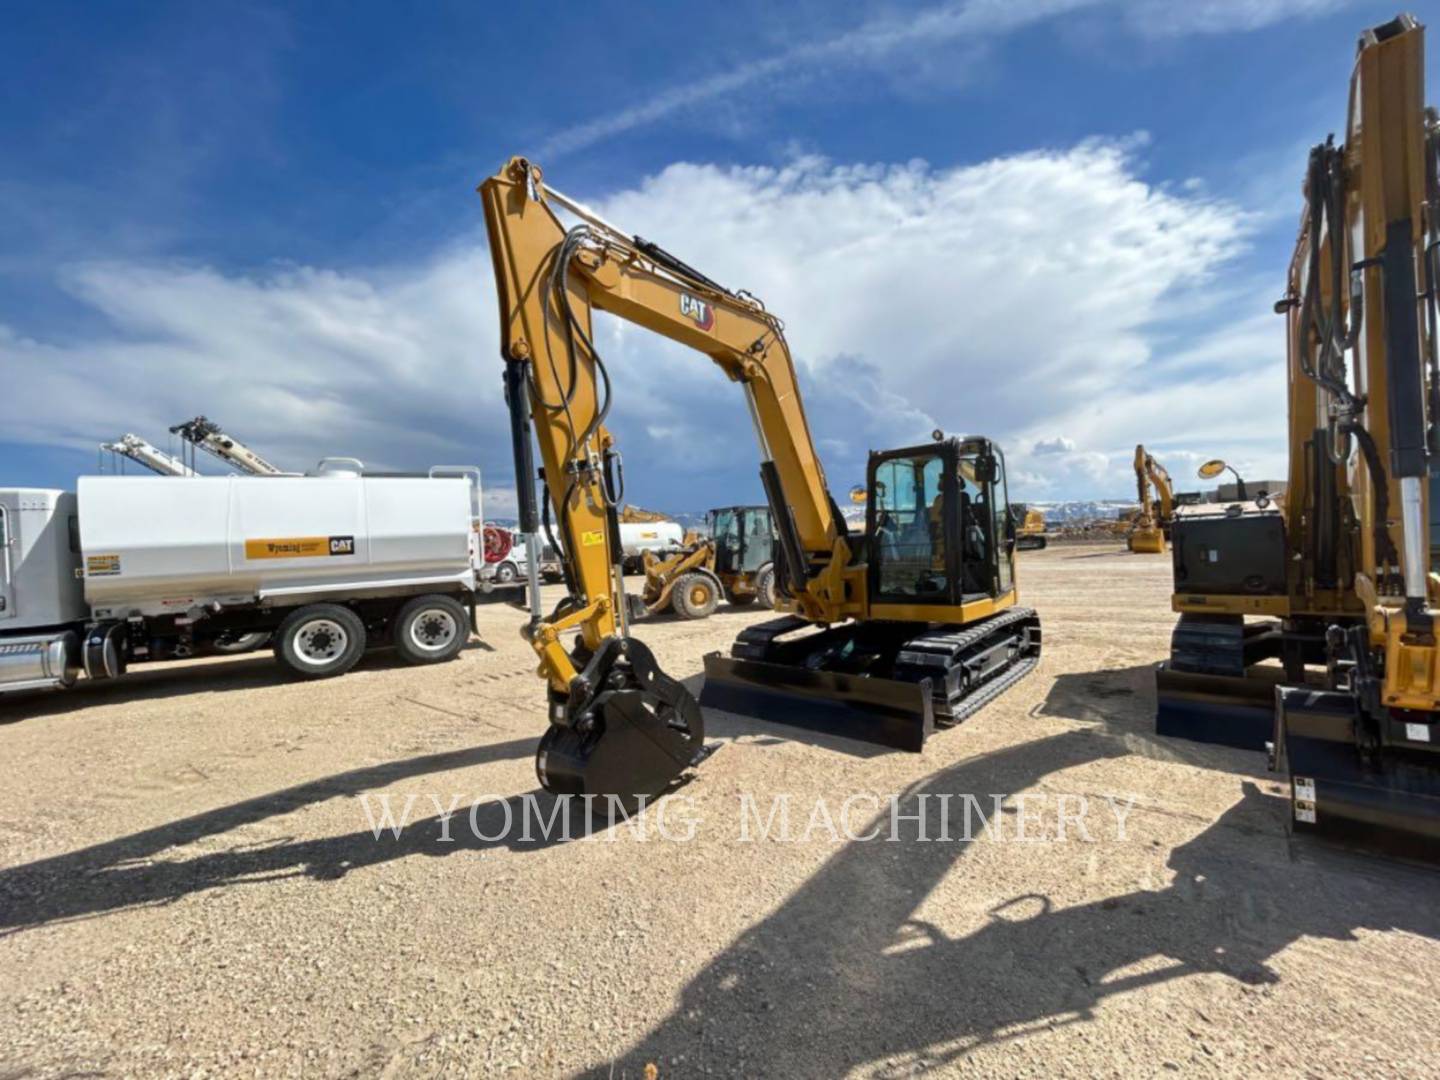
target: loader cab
939 527
744 538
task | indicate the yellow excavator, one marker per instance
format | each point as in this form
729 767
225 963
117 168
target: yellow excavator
1029 527
917 624
1152 525
1340 573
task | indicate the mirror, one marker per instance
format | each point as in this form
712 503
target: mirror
988 469
857 494
1211 469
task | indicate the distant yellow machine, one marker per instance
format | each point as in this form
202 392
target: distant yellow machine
1029 527
1152 525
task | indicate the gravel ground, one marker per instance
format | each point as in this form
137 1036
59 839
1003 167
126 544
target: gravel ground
190 885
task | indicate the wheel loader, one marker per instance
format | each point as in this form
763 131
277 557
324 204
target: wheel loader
882 638
734 560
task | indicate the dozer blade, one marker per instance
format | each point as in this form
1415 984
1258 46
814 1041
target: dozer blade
1223 709
890 713
891 684
626 731
1384 796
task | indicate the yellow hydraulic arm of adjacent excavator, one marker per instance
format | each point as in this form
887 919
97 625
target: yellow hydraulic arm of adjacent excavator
619 725
1148 533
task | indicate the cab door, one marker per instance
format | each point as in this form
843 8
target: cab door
987 531
758 532
1004 525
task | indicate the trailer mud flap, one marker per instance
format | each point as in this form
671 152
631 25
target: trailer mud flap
1238 712
887 712
1386 799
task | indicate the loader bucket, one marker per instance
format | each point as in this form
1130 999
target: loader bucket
1386 798
888 712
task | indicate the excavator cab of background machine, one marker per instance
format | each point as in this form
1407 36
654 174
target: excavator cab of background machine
937 524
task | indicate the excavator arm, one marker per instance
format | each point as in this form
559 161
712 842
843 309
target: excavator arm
550 280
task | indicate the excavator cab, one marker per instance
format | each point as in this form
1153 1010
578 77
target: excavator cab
938 522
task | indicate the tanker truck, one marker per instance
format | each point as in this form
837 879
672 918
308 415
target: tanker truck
132 569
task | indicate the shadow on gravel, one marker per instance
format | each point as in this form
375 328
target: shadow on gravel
844 976
1121 701
126 873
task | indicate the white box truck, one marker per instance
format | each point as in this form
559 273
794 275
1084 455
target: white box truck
139 568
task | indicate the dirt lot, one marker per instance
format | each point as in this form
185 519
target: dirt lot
190 884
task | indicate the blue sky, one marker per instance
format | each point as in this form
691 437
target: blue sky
1059 222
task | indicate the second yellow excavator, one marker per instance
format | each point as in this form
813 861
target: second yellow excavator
919 623
1152 526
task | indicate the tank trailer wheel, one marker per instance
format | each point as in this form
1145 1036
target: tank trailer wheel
320 641
430 629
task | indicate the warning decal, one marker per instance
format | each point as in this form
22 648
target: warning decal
102 565
300 547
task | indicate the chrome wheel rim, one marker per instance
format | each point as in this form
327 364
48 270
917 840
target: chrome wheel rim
320 642
433 630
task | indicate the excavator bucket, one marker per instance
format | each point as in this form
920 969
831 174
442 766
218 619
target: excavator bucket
1147 542
891 684
1371 790
630 731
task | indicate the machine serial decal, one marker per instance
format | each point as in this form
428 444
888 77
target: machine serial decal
300 547
697 310
102 565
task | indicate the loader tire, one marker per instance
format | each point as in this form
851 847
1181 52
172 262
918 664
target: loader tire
320 641
765 588
430 629
694 596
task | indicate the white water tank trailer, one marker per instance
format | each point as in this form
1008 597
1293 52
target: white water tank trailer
137 568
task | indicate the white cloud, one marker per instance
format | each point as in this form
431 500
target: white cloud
951 37
1029 295
1165 17
1058 445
